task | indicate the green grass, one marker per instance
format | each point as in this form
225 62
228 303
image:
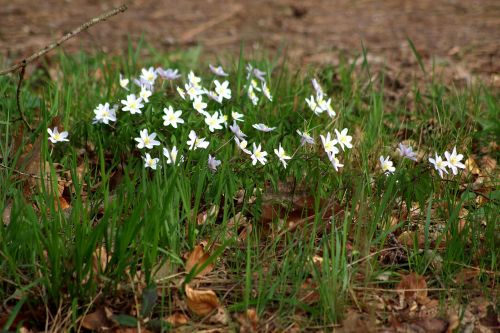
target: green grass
148 219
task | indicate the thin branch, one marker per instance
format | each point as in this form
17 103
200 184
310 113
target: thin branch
63 39
18 93
22 173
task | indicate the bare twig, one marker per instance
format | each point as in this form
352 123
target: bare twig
18 93
63 39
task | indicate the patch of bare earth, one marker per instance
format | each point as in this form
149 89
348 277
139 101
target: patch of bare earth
462 38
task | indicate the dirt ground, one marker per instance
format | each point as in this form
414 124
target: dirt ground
461 36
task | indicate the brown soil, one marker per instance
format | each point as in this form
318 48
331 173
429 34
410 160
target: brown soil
461 36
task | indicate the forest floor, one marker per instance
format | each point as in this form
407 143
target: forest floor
459 38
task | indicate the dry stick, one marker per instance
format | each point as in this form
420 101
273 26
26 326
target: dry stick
18 93
23 63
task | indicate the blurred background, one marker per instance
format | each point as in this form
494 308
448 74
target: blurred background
462 37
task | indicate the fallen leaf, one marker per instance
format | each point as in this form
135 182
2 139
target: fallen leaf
97 320
210 213
100 259
201 302
197 258
219 317
177 319
471 166
7 212
488 165
413 286
248 321
355 322
427 325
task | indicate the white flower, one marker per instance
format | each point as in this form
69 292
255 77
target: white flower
193 91
255 85
55 136
329 144
335 162
146 140
317 87
311 102
237 116
386 165
280 152
242 145
325 105
124 82
217 70
103 114
213 163
258 155
439 164
213 95
266 91
453 160
263 128
343 139
145 94
222 89
171 155
213 121
171 117
223 118
181 92
237 131
148 76
255 71
253 97
150 162
132 104
194 80
406 152
199 105
305 138
194 142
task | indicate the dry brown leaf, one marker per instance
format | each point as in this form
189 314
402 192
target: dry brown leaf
100 259
427 325
407 238
63 203
355 322
197 258
413 287
248 321
239 225
317 260
163 270
177 319
252 316
219 317
471 166
6 214
97 320
201 302
209 213
466 275
488 165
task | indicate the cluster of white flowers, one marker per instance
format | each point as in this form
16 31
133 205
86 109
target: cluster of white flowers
215 120
452 162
